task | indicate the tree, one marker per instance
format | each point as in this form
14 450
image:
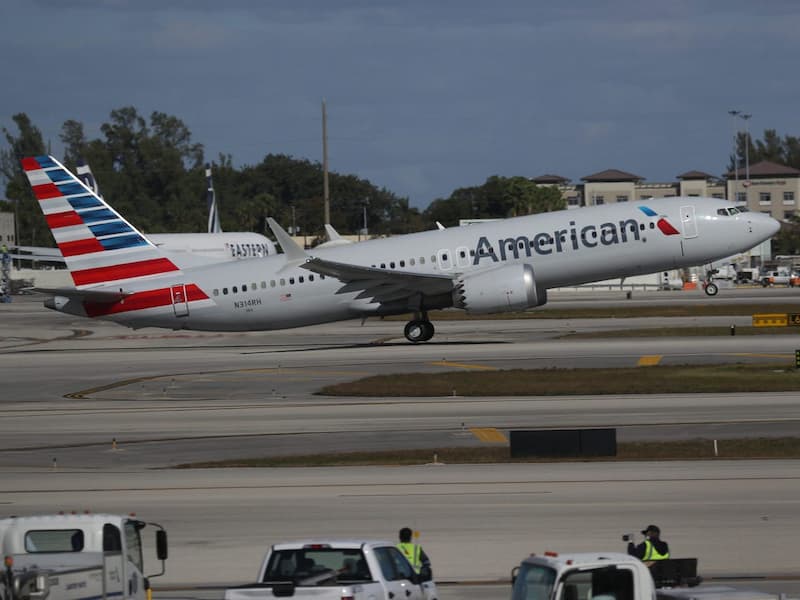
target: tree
29 219
497 198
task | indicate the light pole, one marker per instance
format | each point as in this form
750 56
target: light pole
366 203
746 119
734 114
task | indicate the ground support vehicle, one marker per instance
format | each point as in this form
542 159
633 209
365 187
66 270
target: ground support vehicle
337 570
616 576
76 557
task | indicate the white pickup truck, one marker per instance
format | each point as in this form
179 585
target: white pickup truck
336 570
75 557
616 576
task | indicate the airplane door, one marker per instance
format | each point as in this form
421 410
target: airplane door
445 260
688 222
180 303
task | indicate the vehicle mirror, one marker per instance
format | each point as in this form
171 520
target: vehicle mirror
514 573
161 545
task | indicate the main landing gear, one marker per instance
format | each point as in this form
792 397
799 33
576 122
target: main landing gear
419 329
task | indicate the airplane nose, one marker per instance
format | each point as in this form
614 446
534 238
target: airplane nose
771 226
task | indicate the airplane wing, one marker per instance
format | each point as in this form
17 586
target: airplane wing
102 296
380 284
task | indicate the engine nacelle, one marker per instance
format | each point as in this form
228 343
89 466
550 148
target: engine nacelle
505 289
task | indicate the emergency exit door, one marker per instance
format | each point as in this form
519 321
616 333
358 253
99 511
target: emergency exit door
180 303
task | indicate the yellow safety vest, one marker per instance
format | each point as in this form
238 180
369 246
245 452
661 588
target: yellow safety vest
412 554
650 552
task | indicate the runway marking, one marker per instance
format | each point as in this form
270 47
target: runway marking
447 363
650 360
489 434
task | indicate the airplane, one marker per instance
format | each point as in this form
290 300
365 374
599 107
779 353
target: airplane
186 249
120 275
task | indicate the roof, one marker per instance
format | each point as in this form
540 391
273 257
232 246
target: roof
765 168
612 175
696 175
549 178
581 558
332 543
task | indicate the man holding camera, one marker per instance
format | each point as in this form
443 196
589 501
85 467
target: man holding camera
652 548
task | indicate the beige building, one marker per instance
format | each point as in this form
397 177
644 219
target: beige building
771 188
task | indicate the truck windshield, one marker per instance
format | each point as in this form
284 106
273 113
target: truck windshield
604 583
534 582
317 566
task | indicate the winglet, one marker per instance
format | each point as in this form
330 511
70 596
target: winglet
332 234
291 249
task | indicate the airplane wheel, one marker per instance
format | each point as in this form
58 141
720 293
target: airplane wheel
418 331
712 289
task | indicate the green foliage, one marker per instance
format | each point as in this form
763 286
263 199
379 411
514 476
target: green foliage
773 148
497 198
152 172
32 228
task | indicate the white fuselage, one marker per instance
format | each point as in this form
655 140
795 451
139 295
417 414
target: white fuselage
563 248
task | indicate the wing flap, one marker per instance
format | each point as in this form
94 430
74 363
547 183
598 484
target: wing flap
356 277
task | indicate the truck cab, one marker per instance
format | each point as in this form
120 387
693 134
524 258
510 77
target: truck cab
584 576
81 552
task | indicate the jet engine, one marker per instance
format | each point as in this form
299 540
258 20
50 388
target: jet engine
505 289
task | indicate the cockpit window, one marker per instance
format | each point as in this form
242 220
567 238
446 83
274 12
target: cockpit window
730 212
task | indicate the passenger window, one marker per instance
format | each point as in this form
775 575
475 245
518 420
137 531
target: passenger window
253 286
283 281
391 265
263 285
291 280
402 263
225 291
234 289
652 225
300 279
422 260
311 278
433 259
383 265
216 292
412 262
244 287
271 283
463 254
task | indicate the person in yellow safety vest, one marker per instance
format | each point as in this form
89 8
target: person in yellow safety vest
413 552
652 548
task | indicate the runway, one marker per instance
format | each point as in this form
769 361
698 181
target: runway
71 386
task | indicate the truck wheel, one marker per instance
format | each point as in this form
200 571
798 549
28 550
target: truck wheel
712 289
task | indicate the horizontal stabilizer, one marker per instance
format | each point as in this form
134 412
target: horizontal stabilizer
98 296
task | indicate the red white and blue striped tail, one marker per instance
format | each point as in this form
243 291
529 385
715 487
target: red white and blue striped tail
99 246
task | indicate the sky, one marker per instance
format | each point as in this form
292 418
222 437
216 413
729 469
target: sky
423 96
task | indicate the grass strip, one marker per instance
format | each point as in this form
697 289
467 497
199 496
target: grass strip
668 379
697 449
619 310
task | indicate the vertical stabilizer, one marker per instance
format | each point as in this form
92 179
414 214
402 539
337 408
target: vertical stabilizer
99 246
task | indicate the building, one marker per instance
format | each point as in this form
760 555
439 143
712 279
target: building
771 188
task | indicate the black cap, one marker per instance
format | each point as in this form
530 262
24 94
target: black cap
653 528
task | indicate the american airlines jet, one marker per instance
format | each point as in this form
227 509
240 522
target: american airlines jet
493 267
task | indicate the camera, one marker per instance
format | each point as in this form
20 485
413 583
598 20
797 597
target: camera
628 537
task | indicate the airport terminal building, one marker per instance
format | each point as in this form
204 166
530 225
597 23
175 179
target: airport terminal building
772 188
